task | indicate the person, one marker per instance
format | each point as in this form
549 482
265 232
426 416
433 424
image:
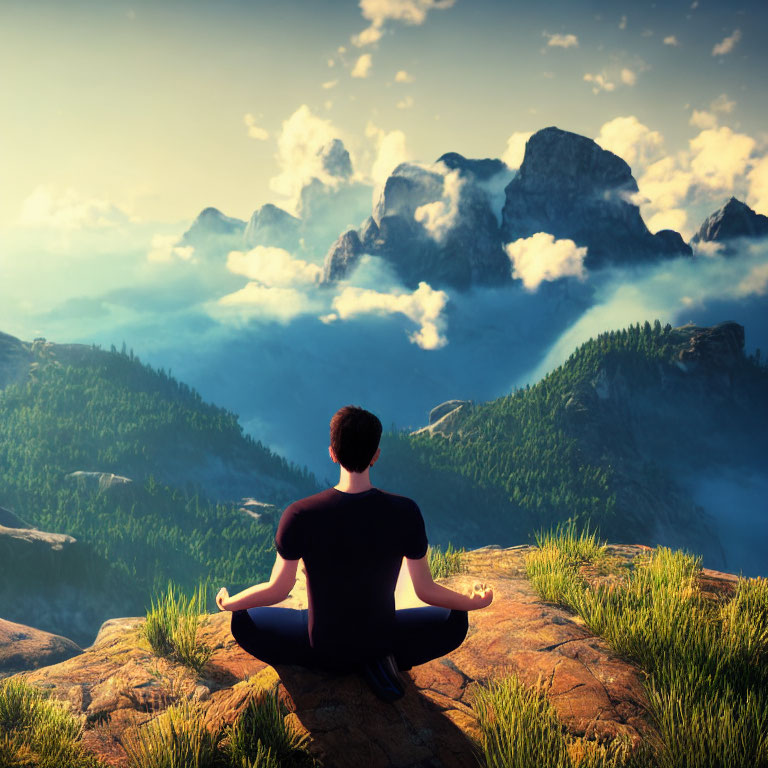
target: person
352 538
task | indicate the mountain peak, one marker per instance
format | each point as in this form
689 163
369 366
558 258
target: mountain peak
735 219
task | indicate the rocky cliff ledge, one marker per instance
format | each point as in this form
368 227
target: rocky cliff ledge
598 696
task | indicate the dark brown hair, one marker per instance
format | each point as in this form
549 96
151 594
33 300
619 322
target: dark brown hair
355 435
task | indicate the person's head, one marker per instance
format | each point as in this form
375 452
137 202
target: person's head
355 435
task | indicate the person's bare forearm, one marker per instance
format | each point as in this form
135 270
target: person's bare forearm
254 597
443 597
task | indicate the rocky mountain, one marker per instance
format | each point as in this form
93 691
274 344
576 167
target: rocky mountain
734 220
117 684
624 433
571 188
211 228
272 226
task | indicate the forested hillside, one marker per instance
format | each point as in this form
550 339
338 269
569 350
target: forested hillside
609 436
157 519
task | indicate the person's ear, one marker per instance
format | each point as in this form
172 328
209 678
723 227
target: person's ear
332 455
375 456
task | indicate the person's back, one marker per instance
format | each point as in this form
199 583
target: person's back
353 546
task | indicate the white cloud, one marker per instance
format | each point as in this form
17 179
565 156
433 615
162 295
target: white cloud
541 257
708 248
722 104
424 306
718 156
671 218
628 138
628 77
440 216
561 41
703 119
515 151
330 84
368 36
391 150
757 197
623 23
273 267
671 40
405 103
265 302
403 77
727 44
362 66
599 82
755 282
407 11
69 210
164 250
255 131
299 146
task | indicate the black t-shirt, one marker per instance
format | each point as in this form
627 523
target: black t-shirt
352 545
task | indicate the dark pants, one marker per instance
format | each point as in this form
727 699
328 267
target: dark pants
281 636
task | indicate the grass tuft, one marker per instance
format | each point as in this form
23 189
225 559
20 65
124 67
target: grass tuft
171 627
446 563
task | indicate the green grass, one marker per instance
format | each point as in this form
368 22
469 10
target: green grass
521 729
445 563
706 661
171 627
180 738
37 731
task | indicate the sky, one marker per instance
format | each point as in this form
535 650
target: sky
154 110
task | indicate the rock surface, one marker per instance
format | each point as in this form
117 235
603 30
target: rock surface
24 648
120 684
569 187
272 226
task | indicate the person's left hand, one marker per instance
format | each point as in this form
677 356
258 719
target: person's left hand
222 598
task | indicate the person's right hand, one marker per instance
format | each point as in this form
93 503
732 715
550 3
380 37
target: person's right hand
480 595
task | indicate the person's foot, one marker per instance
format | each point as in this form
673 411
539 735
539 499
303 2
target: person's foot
383 677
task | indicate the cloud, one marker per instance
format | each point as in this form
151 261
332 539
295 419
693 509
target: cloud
424 306
722 104
300 148
368 36
273 267
391 150
255 131
515 151
628 138
377 12
561 41
671 218
258 301
600 82
703 119
403 77
440 216
671 40
757 197
362 66
541 257
330 84
164 249
623 23
718 156
727 44
69 210
405 103
628 77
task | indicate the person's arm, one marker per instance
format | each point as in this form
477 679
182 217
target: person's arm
274 591
435 594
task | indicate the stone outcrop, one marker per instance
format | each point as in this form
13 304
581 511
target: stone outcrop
102 480
24 648
210 226
343 256
119 684
734 220
571 188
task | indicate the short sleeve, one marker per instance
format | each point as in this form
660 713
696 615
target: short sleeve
415 535
289 541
